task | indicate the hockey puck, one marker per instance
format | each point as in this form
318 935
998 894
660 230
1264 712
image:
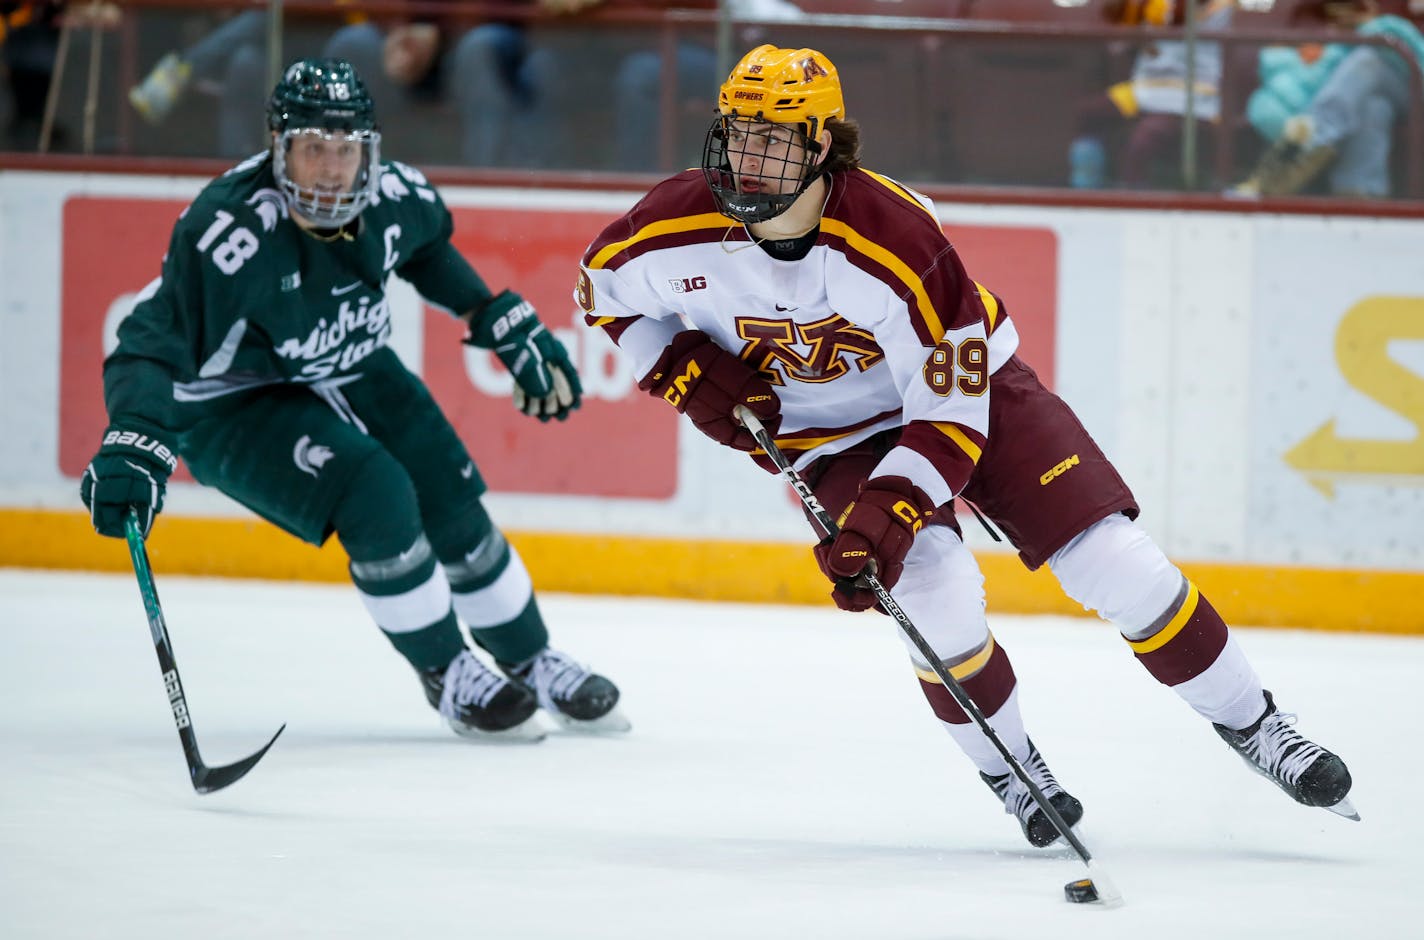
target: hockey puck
1082 891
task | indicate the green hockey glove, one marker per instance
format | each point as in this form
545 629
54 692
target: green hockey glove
546 384
130 471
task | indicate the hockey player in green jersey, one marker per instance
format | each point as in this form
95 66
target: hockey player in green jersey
260 356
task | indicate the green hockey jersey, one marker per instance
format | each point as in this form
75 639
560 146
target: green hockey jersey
247 299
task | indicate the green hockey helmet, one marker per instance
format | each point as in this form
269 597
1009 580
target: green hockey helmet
323 104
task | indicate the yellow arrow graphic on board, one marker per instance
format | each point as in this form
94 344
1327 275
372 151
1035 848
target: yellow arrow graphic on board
1324 457
1362 341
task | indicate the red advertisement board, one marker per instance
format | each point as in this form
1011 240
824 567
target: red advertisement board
113 246
620 444
1020 265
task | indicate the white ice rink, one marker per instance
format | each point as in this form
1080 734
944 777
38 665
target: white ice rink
784 779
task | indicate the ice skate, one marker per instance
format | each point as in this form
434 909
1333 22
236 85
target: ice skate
1018 802
1274 749
480 703
573 695
160 90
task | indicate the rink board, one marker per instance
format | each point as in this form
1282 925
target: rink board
1256 378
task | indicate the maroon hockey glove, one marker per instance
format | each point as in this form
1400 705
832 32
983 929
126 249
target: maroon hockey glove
877 529
705 382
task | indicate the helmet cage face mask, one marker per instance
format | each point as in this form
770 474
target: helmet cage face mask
757 197
325 99
773 106
328 208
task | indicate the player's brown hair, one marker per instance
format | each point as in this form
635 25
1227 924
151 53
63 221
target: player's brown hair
845 145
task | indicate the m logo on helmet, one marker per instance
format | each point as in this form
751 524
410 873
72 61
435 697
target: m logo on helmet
798 89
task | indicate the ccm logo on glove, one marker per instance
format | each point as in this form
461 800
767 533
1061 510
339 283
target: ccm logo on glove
876 532
707 383
673 396
910 514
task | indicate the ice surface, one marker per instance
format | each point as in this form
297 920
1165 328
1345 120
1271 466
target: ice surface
783 779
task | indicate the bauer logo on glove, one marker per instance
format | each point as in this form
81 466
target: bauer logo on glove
546 384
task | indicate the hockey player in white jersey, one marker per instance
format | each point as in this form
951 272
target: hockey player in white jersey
785 278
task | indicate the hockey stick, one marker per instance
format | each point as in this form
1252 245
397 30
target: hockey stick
205 779
1098 886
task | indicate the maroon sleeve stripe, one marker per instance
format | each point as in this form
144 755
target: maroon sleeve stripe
883 230
951 448
613 326
795 443
678 211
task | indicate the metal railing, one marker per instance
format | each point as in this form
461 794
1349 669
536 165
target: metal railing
923 38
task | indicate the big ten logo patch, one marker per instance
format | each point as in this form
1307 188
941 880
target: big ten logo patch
620 443
686 285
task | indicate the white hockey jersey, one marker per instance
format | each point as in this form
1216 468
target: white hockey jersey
877 328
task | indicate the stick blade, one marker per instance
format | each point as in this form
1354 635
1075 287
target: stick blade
211 779
1097 889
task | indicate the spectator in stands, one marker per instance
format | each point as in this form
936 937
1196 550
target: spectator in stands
233 58
231 61
1153 101
29 46
29 35
639 83
1334 107
507 91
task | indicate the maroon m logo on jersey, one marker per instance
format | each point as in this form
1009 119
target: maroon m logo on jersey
833 345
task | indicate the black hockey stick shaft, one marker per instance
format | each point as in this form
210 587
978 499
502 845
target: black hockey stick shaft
828 529
205 779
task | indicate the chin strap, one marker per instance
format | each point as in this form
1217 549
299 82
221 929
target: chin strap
343 234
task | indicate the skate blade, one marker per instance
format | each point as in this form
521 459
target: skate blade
1344 808
529 731
610 723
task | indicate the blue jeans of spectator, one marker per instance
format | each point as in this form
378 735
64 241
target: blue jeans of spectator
499 87
1355 112
233 57
638 102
